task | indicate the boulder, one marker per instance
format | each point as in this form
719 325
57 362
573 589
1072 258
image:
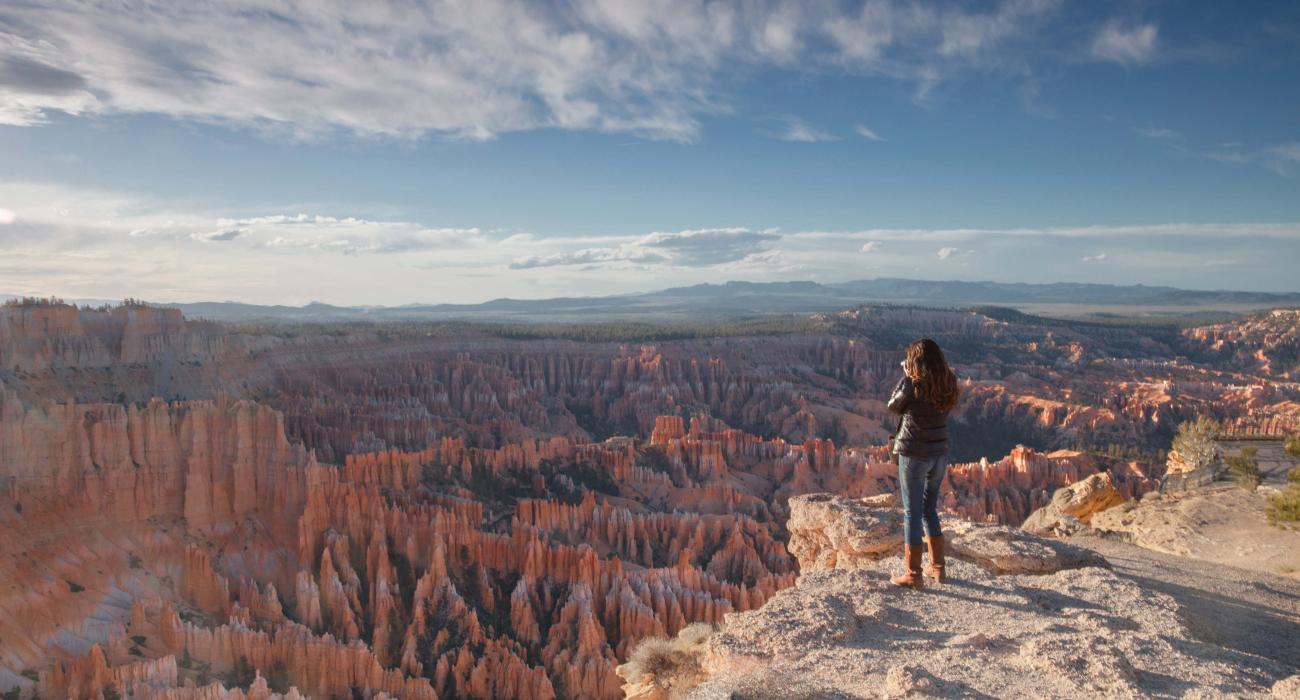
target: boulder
832 532
1073 506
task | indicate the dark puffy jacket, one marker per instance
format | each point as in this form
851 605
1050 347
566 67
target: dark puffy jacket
922 428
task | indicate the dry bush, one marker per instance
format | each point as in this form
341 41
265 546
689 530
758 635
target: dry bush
1194 444
674 664
694 634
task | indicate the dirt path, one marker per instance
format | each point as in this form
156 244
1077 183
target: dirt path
1238 609
1223 524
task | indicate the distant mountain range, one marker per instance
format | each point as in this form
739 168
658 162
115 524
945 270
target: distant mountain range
759 298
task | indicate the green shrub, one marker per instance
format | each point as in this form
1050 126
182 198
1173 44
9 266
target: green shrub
278 678
242 675
1284 508
1293 445
1244 468
1293 476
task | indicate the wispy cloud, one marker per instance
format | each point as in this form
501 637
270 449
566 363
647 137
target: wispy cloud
468 70
1094 258
1284 156
1289 231
1126 44
867 133
947 252
1280 158
871 246
1156 132
224 234
694 248
799 132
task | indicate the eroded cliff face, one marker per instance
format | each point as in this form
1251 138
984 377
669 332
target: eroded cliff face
99 503
1267 342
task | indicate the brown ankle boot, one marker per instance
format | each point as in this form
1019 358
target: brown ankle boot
912 578
936 569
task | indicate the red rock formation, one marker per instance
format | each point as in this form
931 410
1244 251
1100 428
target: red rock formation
471 539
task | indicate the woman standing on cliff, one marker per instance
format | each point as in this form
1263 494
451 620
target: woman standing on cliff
922 399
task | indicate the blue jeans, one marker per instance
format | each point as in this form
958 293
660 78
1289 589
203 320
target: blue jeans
919 478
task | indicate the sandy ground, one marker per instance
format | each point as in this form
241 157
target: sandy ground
1236 578
1082 633
1223 524
1238 609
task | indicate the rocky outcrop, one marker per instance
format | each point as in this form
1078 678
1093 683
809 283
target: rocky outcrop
1223 524
845 631
830 532
46 336
1266 342
204 461
1073 507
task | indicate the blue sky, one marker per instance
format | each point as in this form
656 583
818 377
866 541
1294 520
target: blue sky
454 151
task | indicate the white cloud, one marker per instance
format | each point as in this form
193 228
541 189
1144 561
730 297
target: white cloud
871 246
927 44
693 248
947 252
1126 45
1155 132
1283 157
867 133
1288 231
1288 151
800 132
7 216
469 70
967 34
224 234
1094 258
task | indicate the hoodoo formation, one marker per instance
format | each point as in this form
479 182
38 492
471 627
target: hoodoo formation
190 510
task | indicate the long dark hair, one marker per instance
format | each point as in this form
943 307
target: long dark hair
934 379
